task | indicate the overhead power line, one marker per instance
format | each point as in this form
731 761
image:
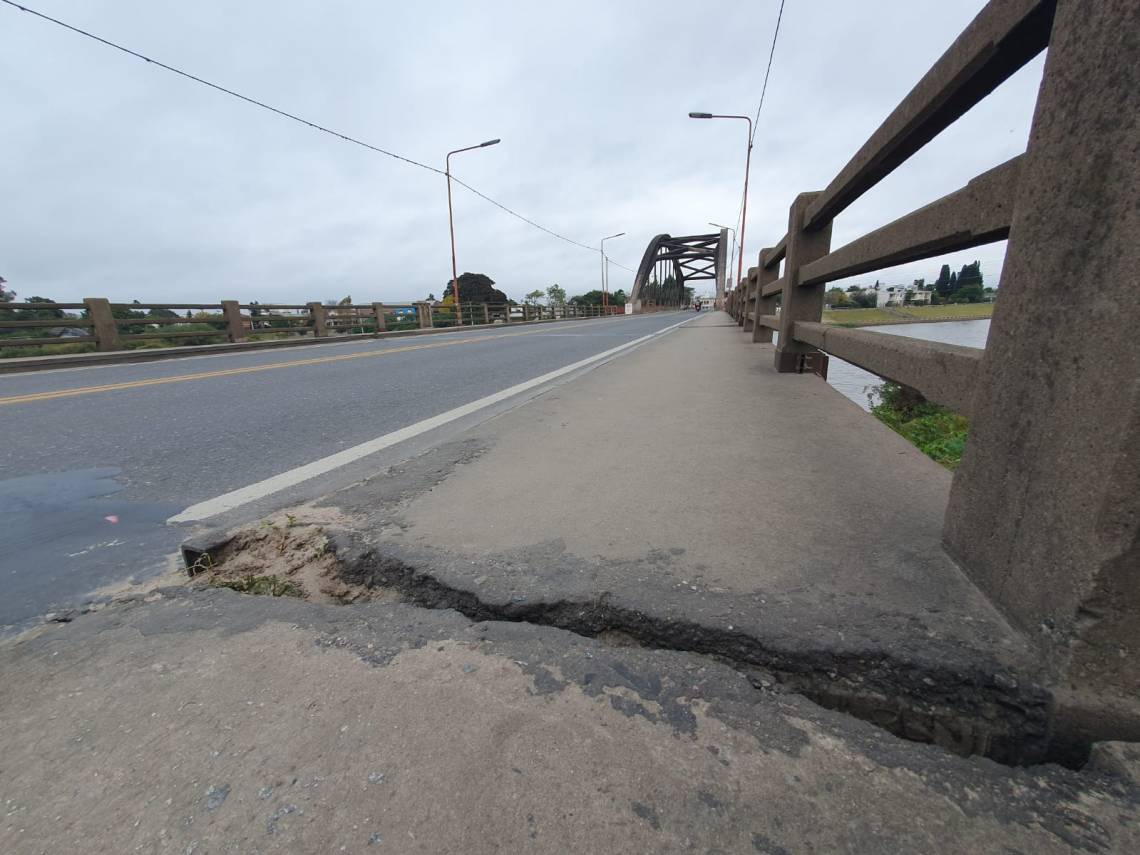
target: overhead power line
293 117
768 71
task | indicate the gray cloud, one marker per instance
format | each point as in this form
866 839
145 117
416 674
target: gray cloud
123 180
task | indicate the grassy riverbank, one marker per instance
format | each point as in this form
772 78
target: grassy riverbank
937 432
908 315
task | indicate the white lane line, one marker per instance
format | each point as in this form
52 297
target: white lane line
261 489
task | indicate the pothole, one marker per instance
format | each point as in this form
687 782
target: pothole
965 712
286 555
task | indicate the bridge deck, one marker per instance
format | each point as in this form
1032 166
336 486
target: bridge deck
682 496
690 496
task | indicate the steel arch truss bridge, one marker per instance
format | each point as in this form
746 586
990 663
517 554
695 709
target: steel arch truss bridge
671 263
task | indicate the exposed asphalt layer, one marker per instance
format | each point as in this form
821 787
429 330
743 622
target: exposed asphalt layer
330 728
88 479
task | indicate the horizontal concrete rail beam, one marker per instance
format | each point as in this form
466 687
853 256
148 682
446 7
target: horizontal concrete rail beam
772 257
773 288
978 213
943 373
1004 36
35 342
771 322
52 322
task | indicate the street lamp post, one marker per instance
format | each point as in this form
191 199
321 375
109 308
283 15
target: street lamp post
731 229
747 169
605 272
451 225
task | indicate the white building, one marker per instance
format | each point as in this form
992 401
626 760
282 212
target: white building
895 295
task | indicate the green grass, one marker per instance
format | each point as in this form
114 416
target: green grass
46 349
908 314
936 431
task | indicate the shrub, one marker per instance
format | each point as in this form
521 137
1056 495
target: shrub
936 431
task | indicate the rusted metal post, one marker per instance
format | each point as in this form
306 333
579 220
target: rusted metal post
235 327
800 304
103 325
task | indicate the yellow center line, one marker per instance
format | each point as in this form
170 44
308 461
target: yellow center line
249 369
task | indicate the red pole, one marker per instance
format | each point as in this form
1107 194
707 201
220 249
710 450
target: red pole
451 227
744 209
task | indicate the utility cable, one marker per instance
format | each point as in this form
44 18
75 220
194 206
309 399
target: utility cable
771 54
293 117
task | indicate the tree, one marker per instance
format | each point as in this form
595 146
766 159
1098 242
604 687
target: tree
475 288
836 297
942 283
430 298
6 297
969 294
590 298
556 295
618 298
854 289
971 275
39 314
535 295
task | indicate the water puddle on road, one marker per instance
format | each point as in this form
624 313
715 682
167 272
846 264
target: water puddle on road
66 535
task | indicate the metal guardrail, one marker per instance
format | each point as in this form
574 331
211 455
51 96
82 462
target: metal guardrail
115 326
785 292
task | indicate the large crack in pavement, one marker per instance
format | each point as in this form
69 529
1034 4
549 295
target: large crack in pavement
968 712
912 676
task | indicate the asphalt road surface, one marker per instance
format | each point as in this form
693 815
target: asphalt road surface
104 470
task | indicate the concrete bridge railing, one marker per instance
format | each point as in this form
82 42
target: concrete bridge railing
1044 511
114 326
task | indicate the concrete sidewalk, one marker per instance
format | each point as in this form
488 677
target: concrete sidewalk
681 603
691 497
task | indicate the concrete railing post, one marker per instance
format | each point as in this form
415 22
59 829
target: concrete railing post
486 314
103 325
764 305
800 304
381 321
507 313
1044 512
423 314
235 326
320 318
742 311
751 299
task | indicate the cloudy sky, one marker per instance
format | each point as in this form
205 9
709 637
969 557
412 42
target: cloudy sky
123 180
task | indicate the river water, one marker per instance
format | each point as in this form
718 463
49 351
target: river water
856 383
